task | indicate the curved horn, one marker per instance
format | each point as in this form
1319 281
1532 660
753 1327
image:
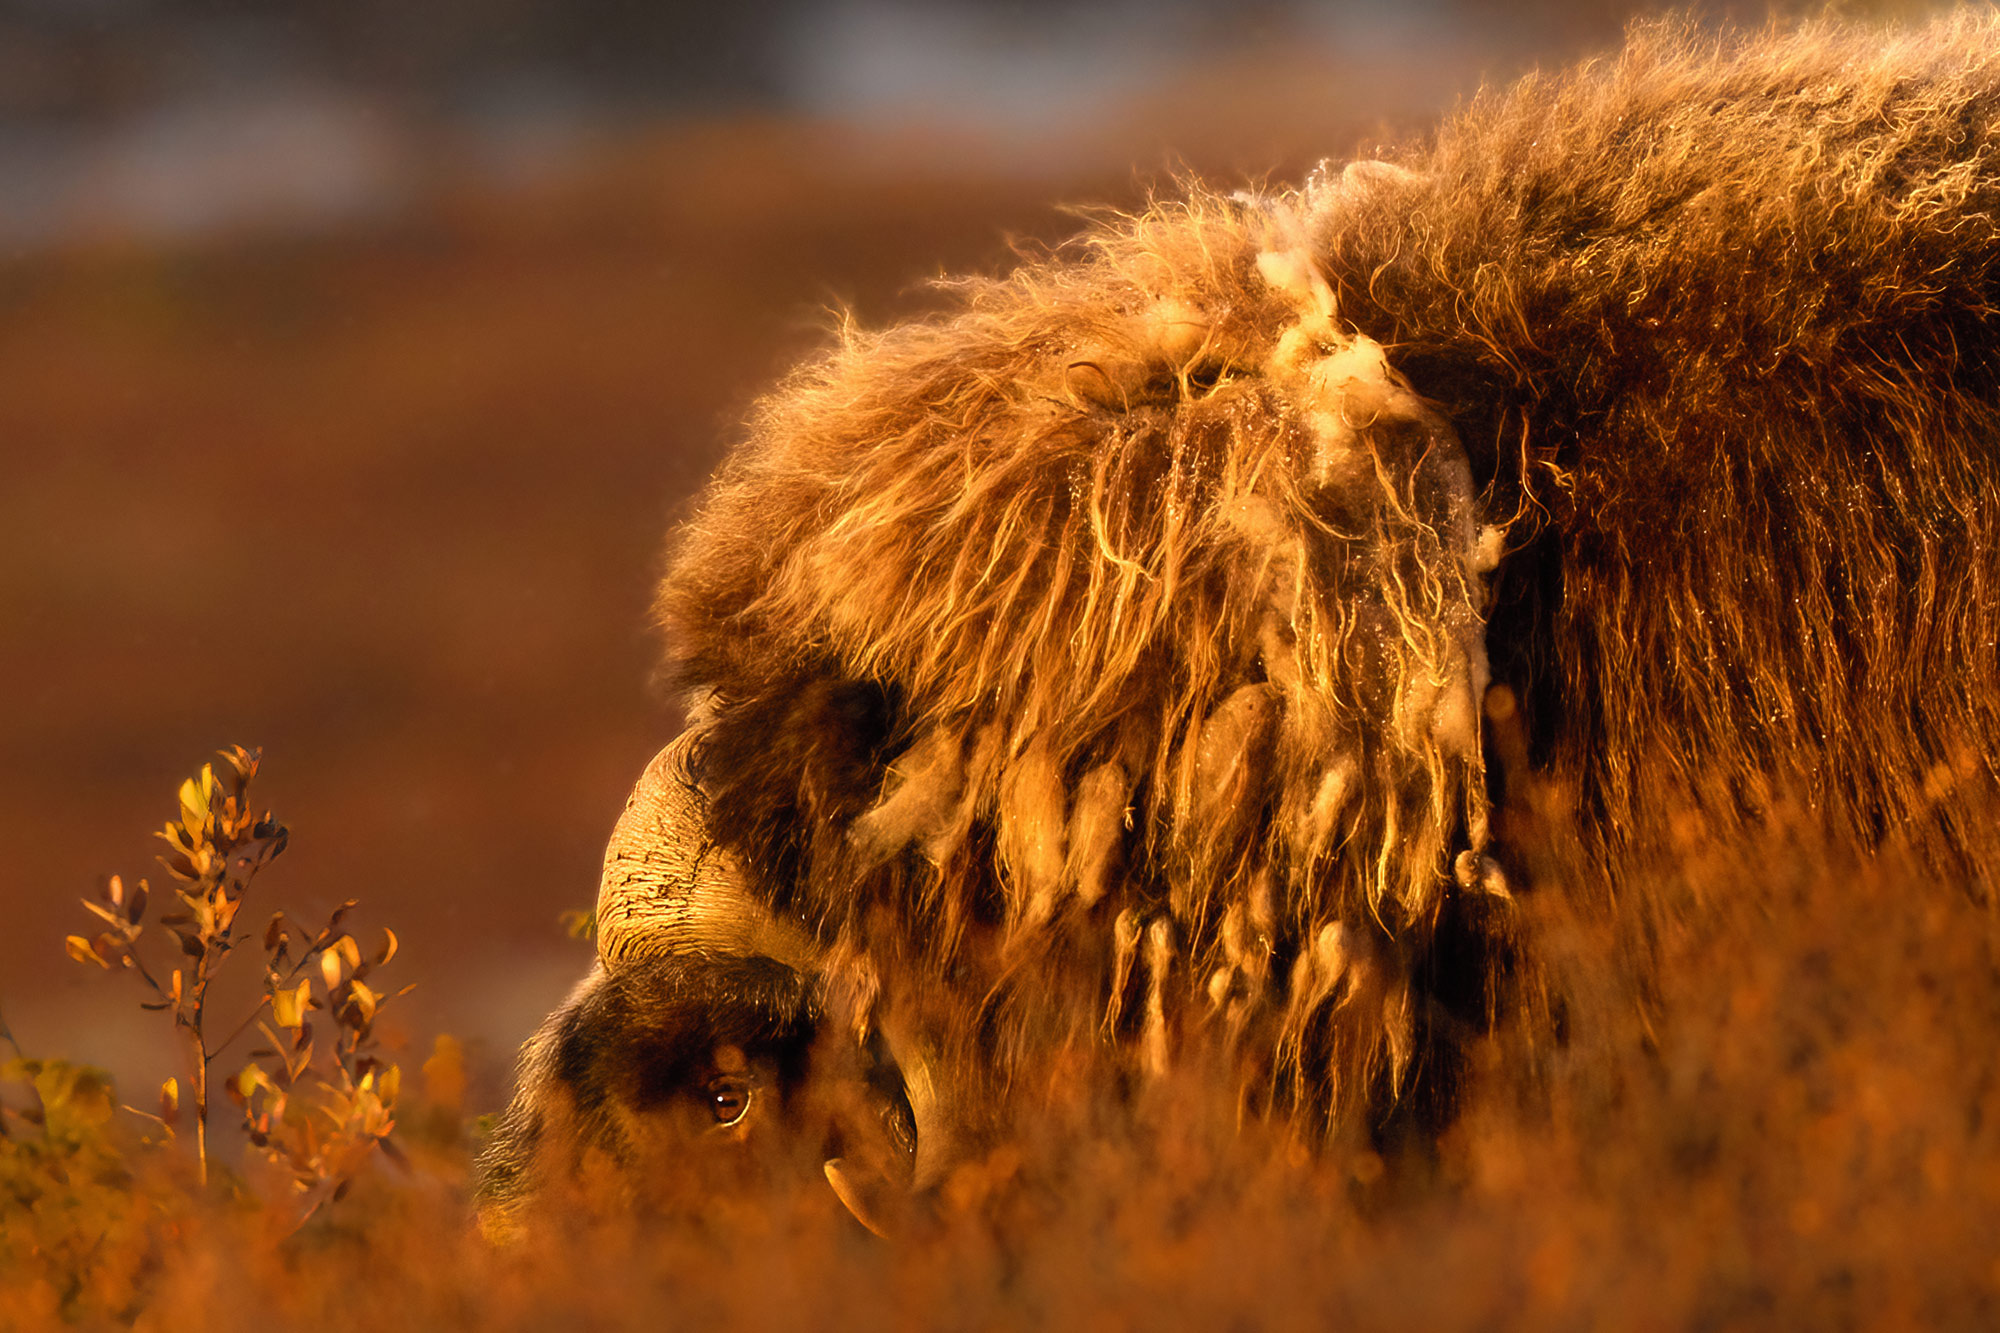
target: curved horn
669 889
891 1182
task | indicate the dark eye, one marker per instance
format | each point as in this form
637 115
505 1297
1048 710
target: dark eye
728 1100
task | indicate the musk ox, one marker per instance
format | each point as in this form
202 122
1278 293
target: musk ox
1112 667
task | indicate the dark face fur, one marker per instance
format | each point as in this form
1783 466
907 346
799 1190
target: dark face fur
673 1056
686 1079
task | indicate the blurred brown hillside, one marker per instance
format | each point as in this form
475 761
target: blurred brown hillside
382 492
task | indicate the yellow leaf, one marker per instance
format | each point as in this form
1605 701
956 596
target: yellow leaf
388 946
296 1060
194 803
242 760
288 1007
170 1101
350 952
329 967
77 947
104 913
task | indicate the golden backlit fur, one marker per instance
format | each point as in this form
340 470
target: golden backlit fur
1104 660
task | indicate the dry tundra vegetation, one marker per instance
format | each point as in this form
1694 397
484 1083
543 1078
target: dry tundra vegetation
1758 1085
1772 1101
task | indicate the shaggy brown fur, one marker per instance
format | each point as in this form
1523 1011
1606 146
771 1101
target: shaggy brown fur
1111 651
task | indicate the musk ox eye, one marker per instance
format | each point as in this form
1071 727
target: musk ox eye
728 1100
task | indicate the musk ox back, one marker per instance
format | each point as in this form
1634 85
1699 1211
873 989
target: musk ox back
1144 656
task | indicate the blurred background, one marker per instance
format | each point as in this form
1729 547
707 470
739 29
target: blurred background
355 357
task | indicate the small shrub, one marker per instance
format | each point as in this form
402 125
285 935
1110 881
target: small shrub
313 1104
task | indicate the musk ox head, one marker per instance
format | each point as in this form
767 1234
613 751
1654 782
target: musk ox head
1097 671
682 1064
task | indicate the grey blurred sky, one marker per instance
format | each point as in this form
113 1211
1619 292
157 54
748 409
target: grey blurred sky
176 117
90 57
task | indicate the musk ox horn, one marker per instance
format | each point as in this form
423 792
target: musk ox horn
668 889
894 1194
